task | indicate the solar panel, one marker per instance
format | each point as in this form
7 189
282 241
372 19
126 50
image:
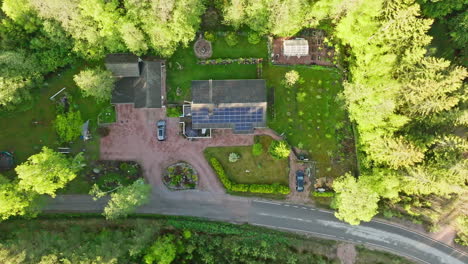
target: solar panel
243 118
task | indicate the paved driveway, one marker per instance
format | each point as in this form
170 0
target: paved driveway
133 137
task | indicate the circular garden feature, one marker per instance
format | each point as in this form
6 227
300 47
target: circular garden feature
180 176
203 49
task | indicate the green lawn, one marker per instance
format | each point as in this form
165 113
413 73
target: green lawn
316 122
183 67
242 50
250 169
24 137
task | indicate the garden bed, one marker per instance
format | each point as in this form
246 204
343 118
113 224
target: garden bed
107 116
180 176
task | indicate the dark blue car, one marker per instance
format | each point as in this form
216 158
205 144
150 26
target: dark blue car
300 181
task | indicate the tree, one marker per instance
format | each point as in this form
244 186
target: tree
95 82
163 251
279 149
68 125
291 78
355 201
13 201
126 199
47 171
18 74
432 86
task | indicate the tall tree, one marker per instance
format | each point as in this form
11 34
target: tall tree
431 86
47 171
126 199
68 125
355 201
18 74
14 202
95 82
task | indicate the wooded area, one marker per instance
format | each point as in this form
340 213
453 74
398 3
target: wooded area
409 106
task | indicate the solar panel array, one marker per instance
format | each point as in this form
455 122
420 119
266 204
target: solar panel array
243 118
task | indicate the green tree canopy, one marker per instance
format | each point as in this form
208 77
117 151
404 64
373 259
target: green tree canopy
126 199
95 82
355 201
14 202
47 171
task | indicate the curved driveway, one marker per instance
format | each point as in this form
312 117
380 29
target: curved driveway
284 216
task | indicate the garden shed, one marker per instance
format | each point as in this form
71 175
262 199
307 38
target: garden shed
296 47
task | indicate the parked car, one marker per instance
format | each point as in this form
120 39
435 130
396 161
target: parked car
300 181
161 126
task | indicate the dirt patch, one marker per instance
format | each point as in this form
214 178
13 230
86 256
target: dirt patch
346 253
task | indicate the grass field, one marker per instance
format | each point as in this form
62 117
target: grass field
183 67
310 116
25 132
252 169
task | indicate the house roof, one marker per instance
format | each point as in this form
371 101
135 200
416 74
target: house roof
123 65
143 91
228 91
296 47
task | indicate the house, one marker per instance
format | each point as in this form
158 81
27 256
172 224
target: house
139 81
240 105
296 47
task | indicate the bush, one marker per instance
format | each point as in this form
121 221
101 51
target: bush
279 149
68 125
253 38
234 157
231 39
323 194
239 187
257 149
291 78
210 36
174 111
221 173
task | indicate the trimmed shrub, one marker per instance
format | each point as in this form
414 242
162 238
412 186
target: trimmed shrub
253 38
323 194
210 36
221 173
233 157
239 187
257 149
231 39
279 149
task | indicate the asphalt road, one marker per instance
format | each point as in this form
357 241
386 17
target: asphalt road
283 216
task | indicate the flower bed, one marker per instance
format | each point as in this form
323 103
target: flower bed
109 175
180 176
231 61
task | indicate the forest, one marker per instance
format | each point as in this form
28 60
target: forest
405 95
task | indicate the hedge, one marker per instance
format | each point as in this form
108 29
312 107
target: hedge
239 187
323 194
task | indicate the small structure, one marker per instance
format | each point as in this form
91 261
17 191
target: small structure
85 131
227 104
202 48
139 81
7 161
296 47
